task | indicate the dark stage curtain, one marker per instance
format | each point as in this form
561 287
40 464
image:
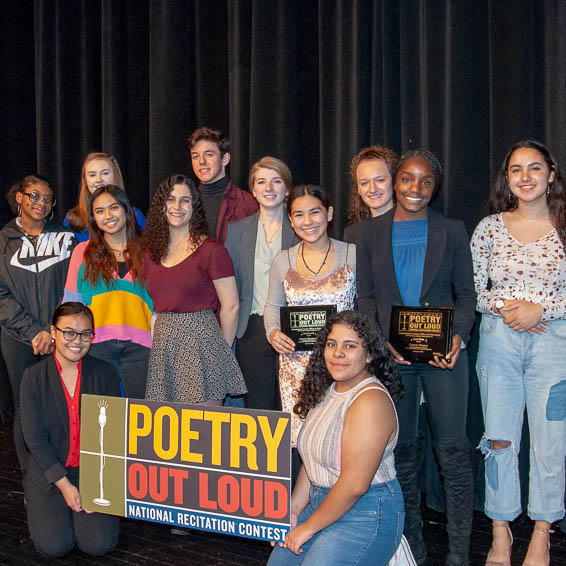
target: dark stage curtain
308 81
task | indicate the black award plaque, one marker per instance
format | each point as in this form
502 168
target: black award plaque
420 333
302 324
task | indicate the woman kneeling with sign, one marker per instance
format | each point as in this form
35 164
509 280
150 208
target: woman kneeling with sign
50 403
347 505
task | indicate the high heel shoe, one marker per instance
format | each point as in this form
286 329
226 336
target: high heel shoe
489 562
547 532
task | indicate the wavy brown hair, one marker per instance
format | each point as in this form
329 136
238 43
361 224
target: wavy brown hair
156 232
317 378
501 199
358 210
100 261
79 217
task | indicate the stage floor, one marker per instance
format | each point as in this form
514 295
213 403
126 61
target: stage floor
144 543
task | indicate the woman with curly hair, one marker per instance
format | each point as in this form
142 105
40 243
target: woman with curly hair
371 182
347 505
98 169
190 278
413 256
105 274
520 275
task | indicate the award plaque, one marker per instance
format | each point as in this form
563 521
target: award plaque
420 333
302 324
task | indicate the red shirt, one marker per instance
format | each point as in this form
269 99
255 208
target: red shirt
73 410
188 286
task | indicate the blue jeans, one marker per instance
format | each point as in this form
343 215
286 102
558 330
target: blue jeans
368 534
517 369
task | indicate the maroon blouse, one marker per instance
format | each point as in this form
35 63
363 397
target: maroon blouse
188 286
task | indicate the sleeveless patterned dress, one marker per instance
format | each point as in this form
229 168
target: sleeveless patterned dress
335 288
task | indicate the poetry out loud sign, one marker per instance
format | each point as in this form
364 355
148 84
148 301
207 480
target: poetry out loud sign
214 468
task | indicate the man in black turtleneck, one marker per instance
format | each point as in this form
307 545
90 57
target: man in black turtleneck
222 201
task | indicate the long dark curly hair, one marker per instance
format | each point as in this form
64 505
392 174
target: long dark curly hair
317 378
501 199
358 210
99 259
156 233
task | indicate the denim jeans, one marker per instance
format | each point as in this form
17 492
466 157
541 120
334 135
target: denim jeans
367 534
130 361
517 369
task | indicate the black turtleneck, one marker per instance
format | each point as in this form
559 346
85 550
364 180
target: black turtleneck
212 195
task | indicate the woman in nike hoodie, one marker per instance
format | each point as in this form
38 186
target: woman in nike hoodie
34 257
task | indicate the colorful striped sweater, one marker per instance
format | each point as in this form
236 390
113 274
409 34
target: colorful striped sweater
121 312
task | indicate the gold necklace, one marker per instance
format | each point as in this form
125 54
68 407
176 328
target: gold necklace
120 254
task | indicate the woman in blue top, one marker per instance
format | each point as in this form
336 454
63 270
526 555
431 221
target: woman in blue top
98 169
413 256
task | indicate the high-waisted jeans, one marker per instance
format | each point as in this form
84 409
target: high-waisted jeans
517 369
367 534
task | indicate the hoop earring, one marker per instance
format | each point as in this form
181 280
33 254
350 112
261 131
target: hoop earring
19 210
51 215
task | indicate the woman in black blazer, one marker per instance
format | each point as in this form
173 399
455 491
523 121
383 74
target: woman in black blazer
50 404
252 244
413 256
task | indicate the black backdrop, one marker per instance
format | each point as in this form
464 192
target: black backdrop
309 82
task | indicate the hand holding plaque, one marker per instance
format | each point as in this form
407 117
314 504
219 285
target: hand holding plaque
302 323
421 333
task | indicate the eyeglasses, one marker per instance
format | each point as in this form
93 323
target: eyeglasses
37 197
70 335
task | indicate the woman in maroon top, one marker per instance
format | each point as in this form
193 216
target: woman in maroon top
190 278
49 399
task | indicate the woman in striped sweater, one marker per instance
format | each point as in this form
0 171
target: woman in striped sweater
105 274
347 505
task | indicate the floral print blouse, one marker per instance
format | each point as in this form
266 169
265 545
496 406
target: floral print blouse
534 272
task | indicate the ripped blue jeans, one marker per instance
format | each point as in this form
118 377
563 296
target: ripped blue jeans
517 369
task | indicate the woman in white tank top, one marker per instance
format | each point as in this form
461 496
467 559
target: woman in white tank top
347 505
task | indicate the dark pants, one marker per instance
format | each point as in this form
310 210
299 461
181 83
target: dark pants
55 528
17 357
446 397
258 362
130 361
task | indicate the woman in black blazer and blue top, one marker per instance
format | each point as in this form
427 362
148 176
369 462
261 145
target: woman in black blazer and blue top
50 404
252 244
413 256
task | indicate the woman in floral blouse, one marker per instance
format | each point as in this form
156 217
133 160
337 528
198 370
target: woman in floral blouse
520 276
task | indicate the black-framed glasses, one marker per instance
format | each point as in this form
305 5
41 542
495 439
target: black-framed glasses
36 197
70 335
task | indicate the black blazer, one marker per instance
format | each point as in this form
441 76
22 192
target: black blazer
448 279
45 418
240 243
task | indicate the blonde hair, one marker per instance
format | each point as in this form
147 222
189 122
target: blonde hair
276 165
78 216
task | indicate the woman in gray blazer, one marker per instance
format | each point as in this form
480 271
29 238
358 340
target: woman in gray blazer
253 243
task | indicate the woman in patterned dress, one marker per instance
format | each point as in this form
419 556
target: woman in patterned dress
520 276
190 278
317 271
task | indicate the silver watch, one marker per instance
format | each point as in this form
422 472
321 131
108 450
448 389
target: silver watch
499 304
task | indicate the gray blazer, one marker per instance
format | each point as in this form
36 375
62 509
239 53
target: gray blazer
448 279
240 243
